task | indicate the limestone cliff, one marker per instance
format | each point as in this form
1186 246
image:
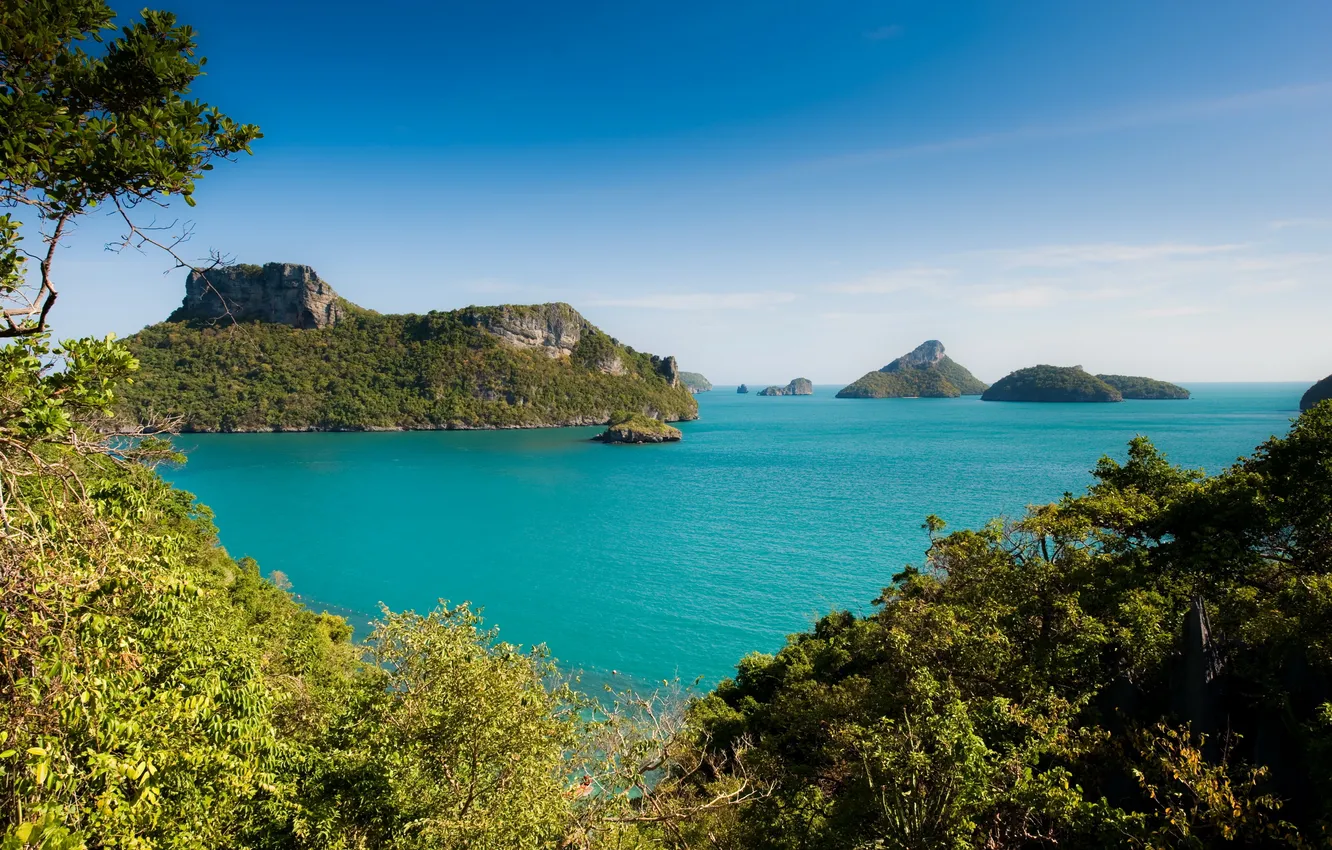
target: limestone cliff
280 293
554 329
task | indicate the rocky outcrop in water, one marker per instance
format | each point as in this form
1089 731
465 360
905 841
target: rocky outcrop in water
742 388
279 293
798 386
638 429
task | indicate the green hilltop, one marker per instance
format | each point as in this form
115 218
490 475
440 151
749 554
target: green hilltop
273 361
925 372
1052 384
1136 387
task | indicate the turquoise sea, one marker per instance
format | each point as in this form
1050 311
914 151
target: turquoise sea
658 561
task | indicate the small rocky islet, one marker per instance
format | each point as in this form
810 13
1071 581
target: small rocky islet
797 386
637 429
742 389
924 372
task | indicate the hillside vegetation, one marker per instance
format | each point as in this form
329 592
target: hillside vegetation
1145 665
1051 384
370 371
925 372
1134 387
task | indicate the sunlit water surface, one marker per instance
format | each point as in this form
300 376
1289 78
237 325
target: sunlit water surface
676 560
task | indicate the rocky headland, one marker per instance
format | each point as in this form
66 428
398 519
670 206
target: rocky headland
275 348
924 372
1320 391
695 382
798 386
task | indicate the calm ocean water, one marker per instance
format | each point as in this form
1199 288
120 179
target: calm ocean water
665 560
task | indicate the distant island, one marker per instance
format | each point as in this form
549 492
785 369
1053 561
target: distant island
637 428
742 389
798 386
274 348
695 382
1320 391
925 372
1135 387
1052 384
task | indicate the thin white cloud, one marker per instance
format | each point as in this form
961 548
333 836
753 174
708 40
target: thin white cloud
1312 223
1061 256
1020 298
701 301
1174 312
1283 96
894 280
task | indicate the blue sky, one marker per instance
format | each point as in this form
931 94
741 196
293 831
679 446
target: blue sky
772 189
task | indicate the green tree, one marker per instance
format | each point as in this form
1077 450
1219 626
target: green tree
85 128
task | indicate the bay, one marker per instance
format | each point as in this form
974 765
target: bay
657 561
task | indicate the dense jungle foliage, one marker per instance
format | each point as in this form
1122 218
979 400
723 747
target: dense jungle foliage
437 370
945 379
1051 384
1145 665
1131 386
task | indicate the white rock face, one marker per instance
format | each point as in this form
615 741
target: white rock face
555 328
281 293
928 353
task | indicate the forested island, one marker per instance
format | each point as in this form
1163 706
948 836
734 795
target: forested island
1147 664
274 348
1150 389
797 386
1052 384
924 372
